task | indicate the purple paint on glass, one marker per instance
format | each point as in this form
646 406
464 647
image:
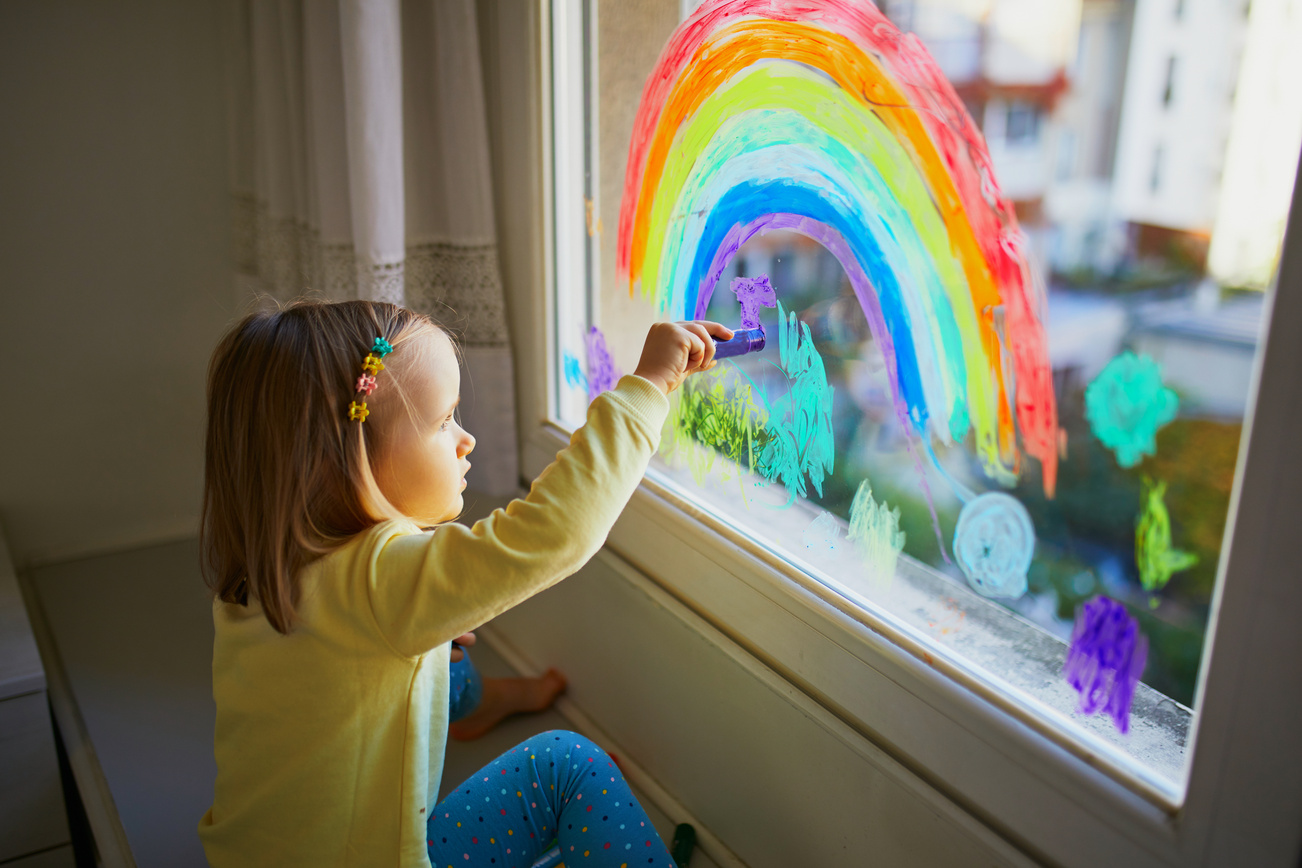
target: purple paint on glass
1106 659
837 246
753 293
602 373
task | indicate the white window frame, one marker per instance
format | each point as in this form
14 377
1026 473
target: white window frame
983 750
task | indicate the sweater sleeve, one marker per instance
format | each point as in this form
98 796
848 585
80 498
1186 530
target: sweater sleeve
428 588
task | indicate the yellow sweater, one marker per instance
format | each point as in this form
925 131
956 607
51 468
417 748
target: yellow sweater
330 740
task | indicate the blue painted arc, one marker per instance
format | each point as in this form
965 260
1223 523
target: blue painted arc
750 200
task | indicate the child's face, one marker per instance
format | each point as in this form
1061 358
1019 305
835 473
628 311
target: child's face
422 469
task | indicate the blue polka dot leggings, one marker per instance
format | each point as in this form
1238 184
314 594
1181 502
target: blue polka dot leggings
557 787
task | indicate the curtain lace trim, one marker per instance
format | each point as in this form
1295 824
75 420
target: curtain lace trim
460 285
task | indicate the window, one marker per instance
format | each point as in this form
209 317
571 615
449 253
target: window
1022 123
1066 155
1168 91
809 462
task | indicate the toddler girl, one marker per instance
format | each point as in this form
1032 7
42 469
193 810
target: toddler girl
334 464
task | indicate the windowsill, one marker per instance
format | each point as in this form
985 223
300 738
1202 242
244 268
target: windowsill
981 647
976 635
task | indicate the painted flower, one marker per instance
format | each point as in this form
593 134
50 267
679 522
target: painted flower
1155 557
574 375
1126 404
994 543
602 373
1106 659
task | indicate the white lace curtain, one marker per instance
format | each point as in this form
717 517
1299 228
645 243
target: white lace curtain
360 169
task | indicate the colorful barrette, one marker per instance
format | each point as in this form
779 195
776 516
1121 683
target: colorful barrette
371 365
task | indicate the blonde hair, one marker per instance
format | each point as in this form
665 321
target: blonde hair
287 475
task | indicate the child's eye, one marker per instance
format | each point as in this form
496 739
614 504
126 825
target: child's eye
446 423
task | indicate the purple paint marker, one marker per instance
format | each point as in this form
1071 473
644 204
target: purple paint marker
743 341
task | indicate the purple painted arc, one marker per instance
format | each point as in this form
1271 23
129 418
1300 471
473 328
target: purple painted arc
836 244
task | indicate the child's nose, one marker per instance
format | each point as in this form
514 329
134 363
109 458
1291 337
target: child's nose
467 444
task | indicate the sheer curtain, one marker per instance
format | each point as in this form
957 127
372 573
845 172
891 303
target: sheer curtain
360 169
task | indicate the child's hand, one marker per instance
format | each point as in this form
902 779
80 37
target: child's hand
674 350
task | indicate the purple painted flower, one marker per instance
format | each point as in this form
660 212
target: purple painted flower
602 373
753 293
1106 658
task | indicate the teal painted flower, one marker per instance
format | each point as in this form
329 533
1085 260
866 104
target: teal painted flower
1126 405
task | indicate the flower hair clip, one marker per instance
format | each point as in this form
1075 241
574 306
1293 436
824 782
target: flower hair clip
371 365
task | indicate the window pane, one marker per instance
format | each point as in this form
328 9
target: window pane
1060 561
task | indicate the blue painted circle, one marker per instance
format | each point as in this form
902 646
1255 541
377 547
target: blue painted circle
994 543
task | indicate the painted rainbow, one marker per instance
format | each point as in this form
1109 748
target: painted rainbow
821 117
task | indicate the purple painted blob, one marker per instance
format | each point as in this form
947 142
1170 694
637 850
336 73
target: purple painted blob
1106 659
602 373
753 293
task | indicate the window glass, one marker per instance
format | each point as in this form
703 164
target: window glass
999 405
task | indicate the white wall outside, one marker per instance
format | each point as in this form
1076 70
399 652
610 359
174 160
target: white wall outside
1182 140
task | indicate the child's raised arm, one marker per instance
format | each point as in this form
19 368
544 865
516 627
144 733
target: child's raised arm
426 589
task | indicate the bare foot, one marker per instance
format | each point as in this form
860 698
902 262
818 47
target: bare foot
504 697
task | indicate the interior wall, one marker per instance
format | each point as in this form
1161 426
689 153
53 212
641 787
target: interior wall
115 271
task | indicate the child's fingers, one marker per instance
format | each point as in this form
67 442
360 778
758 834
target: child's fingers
718 331
701 349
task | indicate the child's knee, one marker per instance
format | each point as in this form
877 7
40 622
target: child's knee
572 741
